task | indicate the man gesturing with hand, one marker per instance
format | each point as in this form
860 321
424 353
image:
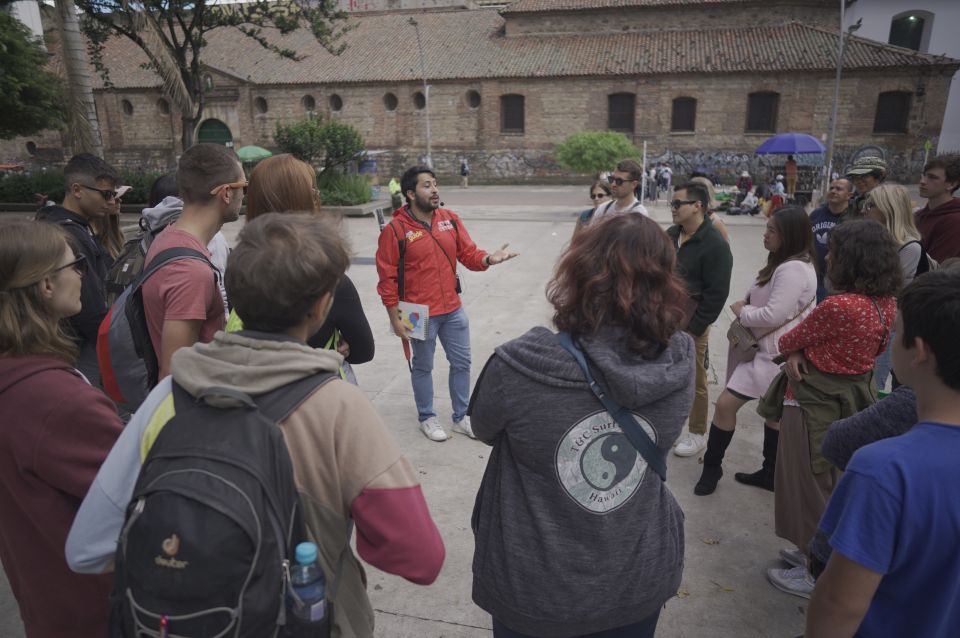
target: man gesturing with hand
417 257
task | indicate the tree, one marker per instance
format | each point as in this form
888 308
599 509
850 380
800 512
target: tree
172 35
311 139
594 152
31 98
84 127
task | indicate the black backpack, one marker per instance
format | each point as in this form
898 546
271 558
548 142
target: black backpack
213 521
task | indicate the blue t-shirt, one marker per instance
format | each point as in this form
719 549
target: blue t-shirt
896 511
823 222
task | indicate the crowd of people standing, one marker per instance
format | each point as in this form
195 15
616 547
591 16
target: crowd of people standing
574 500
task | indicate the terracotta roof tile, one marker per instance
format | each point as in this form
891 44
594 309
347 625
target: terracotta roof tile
468 45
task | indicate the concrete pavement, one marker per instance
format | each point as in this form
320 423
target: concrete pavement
729 535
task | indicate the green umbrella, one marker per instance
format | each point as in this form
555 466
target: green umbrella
253 153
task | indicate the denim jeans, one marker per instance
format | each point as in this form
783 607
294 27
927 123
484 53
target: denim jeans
643 629
453 329
882 365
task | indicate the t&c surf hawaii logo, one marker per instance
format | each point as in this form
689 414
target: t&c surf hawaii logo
597 465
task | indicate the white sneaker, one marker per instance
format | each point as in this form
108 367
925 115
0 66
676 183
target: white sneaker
796 581
432 429
463 427
794 557
690 444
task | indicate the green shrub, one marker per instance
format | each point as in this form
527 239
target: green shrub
594 152
21 188
337 189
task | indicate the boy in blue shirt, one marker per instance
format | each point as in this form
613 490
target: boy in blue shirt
894 519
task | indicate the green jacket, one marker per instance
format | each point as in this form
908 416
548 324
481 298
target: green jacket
705 261
824 398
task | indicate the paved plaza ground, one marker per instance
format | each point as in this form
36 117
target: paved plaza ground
729 535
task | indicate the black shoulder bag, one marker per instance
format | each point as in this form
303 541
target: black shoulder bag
631 429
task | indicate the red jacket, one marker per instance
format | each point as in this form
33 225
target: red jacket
428 265
940 229
55 432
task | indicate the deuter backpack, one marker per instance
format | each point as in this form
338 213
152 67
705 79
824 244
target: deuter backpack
129 263
214 519
129 366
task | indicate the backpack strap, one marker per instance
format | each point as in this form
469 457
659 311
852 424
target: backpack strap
640 440
174 254
402 248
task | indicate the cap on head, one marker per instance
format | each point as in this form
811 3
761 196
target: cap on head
745 174
867 165
779 178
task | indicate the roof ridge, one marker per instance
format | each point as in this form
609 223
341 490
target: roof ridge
930 57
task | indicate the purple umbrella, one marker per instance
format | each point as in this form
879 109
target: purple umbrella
791 144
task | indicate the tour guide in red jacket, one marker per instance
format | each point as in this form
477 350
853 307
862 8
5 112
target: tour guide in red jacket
435 240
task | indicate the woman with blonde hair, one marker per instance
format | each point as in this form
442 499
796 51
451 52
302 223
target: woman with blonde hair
55 431
284 184
890 205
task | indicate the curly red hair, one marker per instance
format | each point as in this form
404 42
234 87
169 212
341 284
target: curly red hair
620 271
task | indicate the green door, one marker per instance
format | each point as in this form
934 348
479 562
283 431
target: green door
214 132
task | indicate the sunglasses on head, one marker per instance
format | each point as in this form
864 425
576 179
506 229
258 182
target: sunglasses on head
107 195
619 180
222 187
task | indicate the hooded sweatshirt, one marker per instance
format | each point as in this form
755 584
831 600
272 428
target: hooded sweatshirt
574 533
345 465
168 211
55 431
940 229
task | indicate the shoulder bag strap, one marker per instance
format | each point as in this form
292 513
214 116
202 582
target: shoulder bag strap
402 249
637 436
770 332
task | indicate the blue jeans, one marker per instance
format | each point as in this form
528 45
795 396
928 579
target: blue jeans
454 331
643 629
882 365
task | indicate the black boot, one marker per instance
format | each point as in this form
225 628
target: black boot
717 444
764 476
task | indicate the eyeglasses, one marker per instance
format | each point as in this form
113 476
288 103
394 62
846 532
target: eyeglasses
222 187
107 195
619 180
78 265
677 203
597 195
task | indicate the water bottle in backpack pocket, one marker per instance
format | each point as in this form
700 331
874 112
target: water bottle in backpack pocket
307 609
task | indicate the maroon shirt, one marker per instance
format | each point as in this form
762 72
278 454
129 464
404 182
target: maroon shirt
55 431
940 229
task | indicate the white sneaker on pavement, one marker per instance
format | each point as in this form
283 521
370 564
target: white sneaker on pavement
463 427
794 557
796 581
432 429
690 444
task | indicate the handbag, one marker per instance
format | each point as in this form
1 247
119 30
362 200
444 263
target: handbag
743 341
640 440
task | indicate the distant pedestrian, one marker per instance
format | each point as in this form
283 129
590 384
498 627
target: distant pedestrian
55 432
828 376
867 173
623 183
464 173
893 519
576 534
599 194
783 294
396 197
824 218
705 262
744 186
790 169
939 221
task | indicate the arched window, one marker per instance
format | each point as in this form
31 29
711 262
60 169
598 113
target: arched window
163 106
127 107
419 101
893 112
683 116
762 110
473 99
511 114
911 29
336 103
390 101
260 104
309 103
214 132
621 112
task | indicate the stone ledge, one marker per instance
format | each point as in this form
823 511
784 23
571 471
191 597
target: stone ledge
361 210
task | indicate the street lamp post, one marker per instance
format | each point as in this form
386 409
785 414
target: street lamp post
426 87
832 133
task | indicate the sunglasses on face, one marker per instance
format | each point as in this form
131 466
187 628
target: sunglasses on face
107 195
597 195
222 187
619 180
677 203
78 265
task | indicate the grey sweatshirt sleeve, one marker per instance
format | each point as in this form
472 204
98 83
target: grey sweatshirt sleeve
92 541
891 416
485 406
910 254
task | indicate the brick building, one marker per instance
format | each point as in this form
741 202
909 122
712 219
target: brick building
703 82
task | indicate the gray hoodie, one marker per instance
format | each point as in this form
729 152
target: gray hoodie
167 211
574 533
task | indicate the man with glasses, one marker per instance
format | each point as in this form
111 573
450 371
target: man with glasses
866 174
623 183
89 193
705 261
182 300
